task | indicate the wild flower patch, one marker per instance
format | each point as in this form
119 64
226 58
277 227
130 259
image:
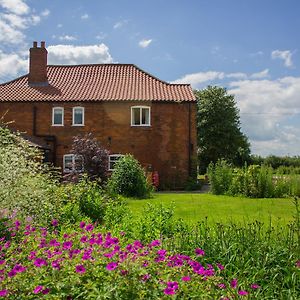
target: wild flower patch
85 262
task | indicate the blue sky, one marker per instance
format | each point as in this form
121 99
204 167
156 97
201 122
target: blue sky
249 47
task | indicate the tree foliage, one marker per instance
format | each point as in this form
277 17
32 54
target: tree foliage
218 126
94 156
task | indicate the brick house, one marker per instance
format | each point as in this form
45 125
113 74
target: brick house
124 107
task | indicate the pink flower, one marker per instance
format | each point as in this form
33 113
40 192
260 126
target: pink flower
243 293
186 278
80 269
3 293
67 245
19 268
154 243
111 266
297 264
89 227
38 289
169 291
222 286
45 291
146 277
54 222
173 285
39 262
255 286
220 267
82 225
199 252
233 283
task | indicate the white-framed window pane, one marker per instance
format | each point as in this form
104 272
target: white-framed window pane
145 116
78 116
112 161
136 116
68 163
57 116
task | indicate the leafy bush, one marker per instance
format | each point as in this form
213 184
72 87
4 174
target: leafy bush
251 181
220 177
27 187
129 179
87 199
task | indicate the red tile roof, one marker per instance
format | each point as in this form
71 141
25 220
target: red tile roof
102 82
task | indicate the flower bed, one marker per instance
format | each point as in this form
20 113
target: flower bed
87 263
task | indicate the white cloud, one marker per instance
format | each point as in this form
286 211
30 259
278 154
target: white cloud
266 106
69 54
67 38
45 13
196 79
15 21
145 43
120 24
237 75
101 36
285 55
10 35
17 7
260 75
11 65
84 17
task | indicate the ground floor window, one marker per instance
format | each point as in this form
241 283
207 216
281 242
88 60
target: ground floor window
113 158
72 163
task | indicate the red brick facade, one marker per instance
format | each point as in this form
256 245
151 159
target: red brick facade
168 145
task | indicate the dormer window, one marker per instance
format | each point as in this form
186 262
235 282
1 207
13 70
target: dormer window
78 116
140 116
58 116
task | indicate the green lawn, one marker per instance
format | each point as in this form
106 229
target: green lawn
196 207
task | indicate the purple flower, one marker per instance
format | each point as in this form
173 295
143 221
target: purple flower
234 283
67 245
38 289
89 227
19 268
220 267
222 286
3 293
243 293
255 286
297 264
82 225
84 239
55 264
111 266
172 285
17 223
12 273
54 222
39 262
80 269
199 252
2 262
186 278
146 277
54 243
169 291
45 291
123 272
154 243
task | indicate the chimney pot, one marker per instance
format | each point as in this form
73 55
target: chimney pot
34 44
42 44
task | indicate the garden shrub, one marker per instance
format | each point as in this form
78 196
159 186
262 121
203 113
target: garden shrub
128 179
220 177
27 187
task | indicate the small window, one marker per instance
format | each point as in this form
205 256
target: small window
58 116
73 163
113 158
78 116
140 116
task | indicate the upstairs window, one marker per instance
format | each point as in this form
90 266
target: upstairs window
73 163
140 116
58 116
78 116
112 159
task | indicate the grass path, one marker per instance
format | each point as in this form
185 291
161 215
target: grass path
196 207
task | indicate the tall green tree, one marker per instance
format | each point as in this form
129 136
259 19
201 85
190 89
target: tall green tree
218 126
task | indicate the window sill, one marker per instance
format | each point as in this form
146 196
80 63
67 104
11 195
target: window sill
77 125
140 125
57 125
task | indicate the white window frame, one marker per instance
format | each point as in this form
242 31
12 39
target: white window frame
73 164
73 116
140 108
109 160
53 113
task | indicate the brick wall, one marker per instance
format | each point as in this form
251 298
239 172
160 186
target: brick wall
164 145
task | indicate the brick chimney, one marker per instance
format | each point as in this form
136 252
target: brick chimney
38 64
